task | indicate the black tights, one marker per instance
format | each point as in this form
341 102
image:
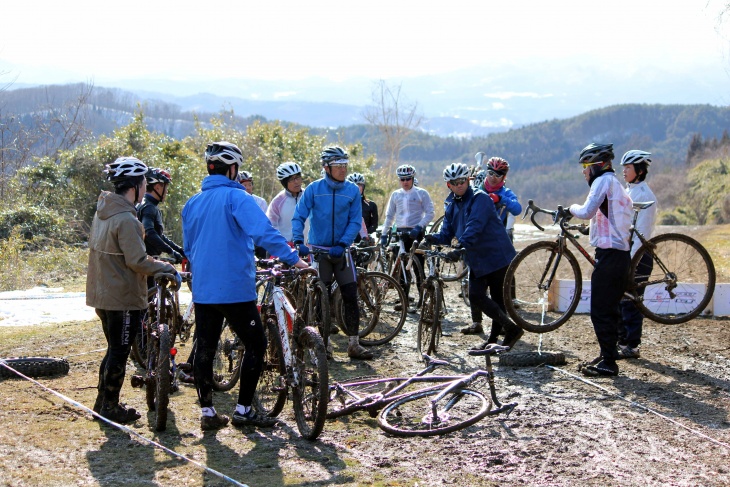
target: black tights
120 329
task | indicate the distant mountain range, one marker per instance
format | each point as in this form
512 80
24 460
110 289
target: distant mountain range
469 102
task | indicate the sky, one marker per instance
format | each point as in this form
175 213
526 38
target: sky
50 41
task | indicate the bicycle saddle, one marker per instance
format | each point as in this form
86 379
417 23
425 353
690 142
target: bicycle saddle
491 349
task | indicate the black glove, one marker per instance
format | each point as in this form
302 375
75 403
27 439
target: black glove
177 256
454 255
430 239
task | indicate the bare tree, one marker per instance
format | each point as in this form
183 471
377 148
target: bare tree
395 118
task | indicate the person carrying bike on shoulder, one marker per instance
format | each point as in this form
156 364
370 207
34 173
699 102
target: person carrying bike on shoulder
410 207
472 218
635 164
491 180
334 209
116 285
609 208
281 208
221 225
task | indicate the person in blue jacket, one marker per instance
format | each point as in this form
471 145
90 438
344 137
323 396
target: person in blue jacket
334 209
221 225
470 216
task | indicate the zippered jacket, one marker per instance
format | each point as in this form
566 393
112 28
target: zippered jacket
609 208
412 208
118 263
221 224
334 210
281 211
473 220
155 239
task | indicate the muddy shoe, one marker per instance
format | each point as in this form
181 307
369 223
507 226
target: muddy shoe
120 414
511 338
359 352
625 351
474 329
334 329
592 362
209 423
253 419
185 367
602 368
98 403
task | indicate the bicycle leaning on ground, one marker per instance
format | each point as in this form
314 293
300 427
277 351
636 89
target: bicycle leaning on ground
295 356
543 284
444 404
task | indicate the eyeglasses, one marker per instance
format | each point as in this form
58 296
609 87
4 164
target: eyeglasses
295 178
587 164
335 165
406 179
492 172
458 182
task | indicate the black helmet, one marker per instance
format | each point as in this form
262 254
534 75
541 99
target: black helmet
155 175
124 169
334 154
223 153
596 153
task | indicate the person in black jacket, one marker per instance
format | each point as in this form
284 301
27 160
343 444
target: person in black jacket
149 214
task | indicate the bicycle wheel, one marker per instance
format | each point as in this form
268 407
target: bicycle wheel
139 345
679 284
318 310
436 225
428 324
35 366
381 319
311 392
271 389
227 360
452 271
162 379
413 415
547 287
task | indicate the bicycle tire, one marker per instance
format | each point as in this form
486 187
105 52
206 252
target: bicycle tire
311 393
318 310
533 307
673 255
139 344
436 225
271 389
450 271
428 323
378 297
532 359
410 415
162 379
227 360
464 285
35 366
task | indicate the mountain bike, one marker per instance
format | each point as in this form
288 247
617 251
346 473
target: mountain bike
410 279
382 304
295 357
543 284
434 305
439 405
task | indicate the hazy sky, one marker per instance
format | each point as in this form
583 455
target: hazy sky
343 39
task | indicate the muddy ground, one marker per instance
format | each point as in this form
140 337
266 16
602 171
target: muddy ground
664 421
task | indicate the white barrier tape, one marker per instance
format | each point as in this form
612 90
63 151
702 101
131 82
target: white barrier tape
126 429
641 406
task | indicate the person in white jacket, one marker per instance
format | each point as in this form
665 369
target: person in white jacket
635 165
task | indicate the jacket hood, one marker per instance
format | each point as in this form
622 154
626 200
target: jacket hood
110 204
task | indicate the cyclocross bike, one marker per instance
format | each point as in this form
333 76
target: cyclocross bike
295 357
439 405
543 284
410 278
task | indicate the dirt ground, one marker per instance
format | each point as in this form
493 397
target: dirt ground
664 421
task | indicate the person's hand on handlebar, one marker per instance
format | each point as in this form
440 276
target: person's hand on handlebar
301 264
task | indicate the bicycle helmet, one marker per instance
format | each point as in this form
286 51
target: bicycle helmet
287 170
636 157
124 169
456 170
405 171
596 153
156 175
356 178
334 155
244 176
223 153
498 165
478 181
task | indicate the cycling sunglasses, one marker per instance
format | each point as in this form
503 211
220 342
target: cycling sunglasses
494 173
588 164
406 179
458 182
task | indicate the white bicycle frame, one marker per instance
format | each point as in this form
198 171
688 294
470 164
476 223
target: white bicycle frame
282 306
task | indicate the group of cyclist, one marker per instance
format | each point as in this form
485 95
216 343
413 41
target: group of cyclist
225 225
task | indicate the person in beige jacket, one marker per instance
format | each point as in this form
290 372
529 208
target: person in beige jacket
116 284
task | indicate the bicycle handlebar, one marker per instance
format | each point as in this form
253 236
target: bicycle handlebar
559 216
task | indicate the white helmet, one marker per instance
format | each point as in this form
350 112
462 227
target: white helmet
356 178
223 153
287 169
405 171
124 168
456 170
244 176
636 157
